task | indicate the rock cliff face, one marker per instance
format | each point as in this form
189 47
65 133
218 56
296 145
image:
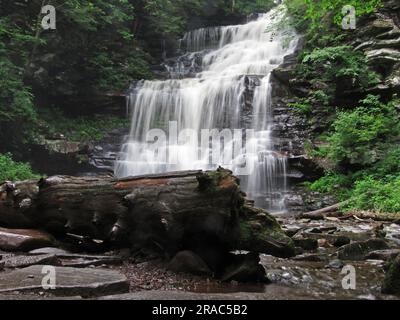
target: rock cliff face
378 37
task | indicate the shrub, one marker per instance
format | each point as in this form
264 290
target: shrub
334 64
13 171
372 194
363 135
332 183
81 129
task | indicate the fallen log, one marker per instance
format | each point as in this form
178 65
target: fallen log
377 216
191 210
332 211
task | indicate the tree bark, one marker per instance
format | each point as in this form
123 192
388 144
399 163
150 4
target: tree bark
322 213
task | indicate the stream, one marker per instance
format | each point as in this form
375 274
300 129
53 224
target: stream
313 274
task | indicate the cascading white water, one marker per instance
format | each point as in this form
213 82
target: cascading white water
241 61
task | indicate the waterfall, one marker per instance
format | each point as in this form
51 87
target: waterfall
221 84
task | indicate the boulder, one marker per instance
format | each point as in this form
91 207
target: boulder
68 281
284 75
260 232
357 251
391 283
291 231
307 244
384 255
246 268
23 240
189 262
383 55
341 241
64 146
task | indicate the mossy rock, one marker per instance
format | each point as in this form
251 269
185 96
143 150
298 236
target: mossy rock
260 232
391 284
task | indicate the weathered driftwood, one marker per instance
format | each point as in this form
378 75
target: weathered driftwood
332 211
182 210
377 216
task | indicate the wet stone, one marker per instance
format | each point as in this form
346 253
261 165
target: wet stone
23 240
357 251
291 231
69 281
311 258
26 261
307 244
341 241
335 264
78 261
189 262
392 280
384 255
48 250
247 268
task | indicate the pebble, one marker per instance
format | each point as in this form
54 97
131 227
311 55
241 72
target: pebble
287 276
307 278
367 297
335 264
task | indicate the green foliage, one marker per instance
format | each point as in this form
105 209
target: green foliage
302 106
82 129
333 65
297 10
14 171
389 167
247 7
361 136
318 9
103 35
361 143
16 106
114 74
367 137
365 192
321 15
331 183
378 188
376 195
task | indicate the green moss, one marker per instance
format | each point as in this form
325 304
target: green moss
260 232
210 181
